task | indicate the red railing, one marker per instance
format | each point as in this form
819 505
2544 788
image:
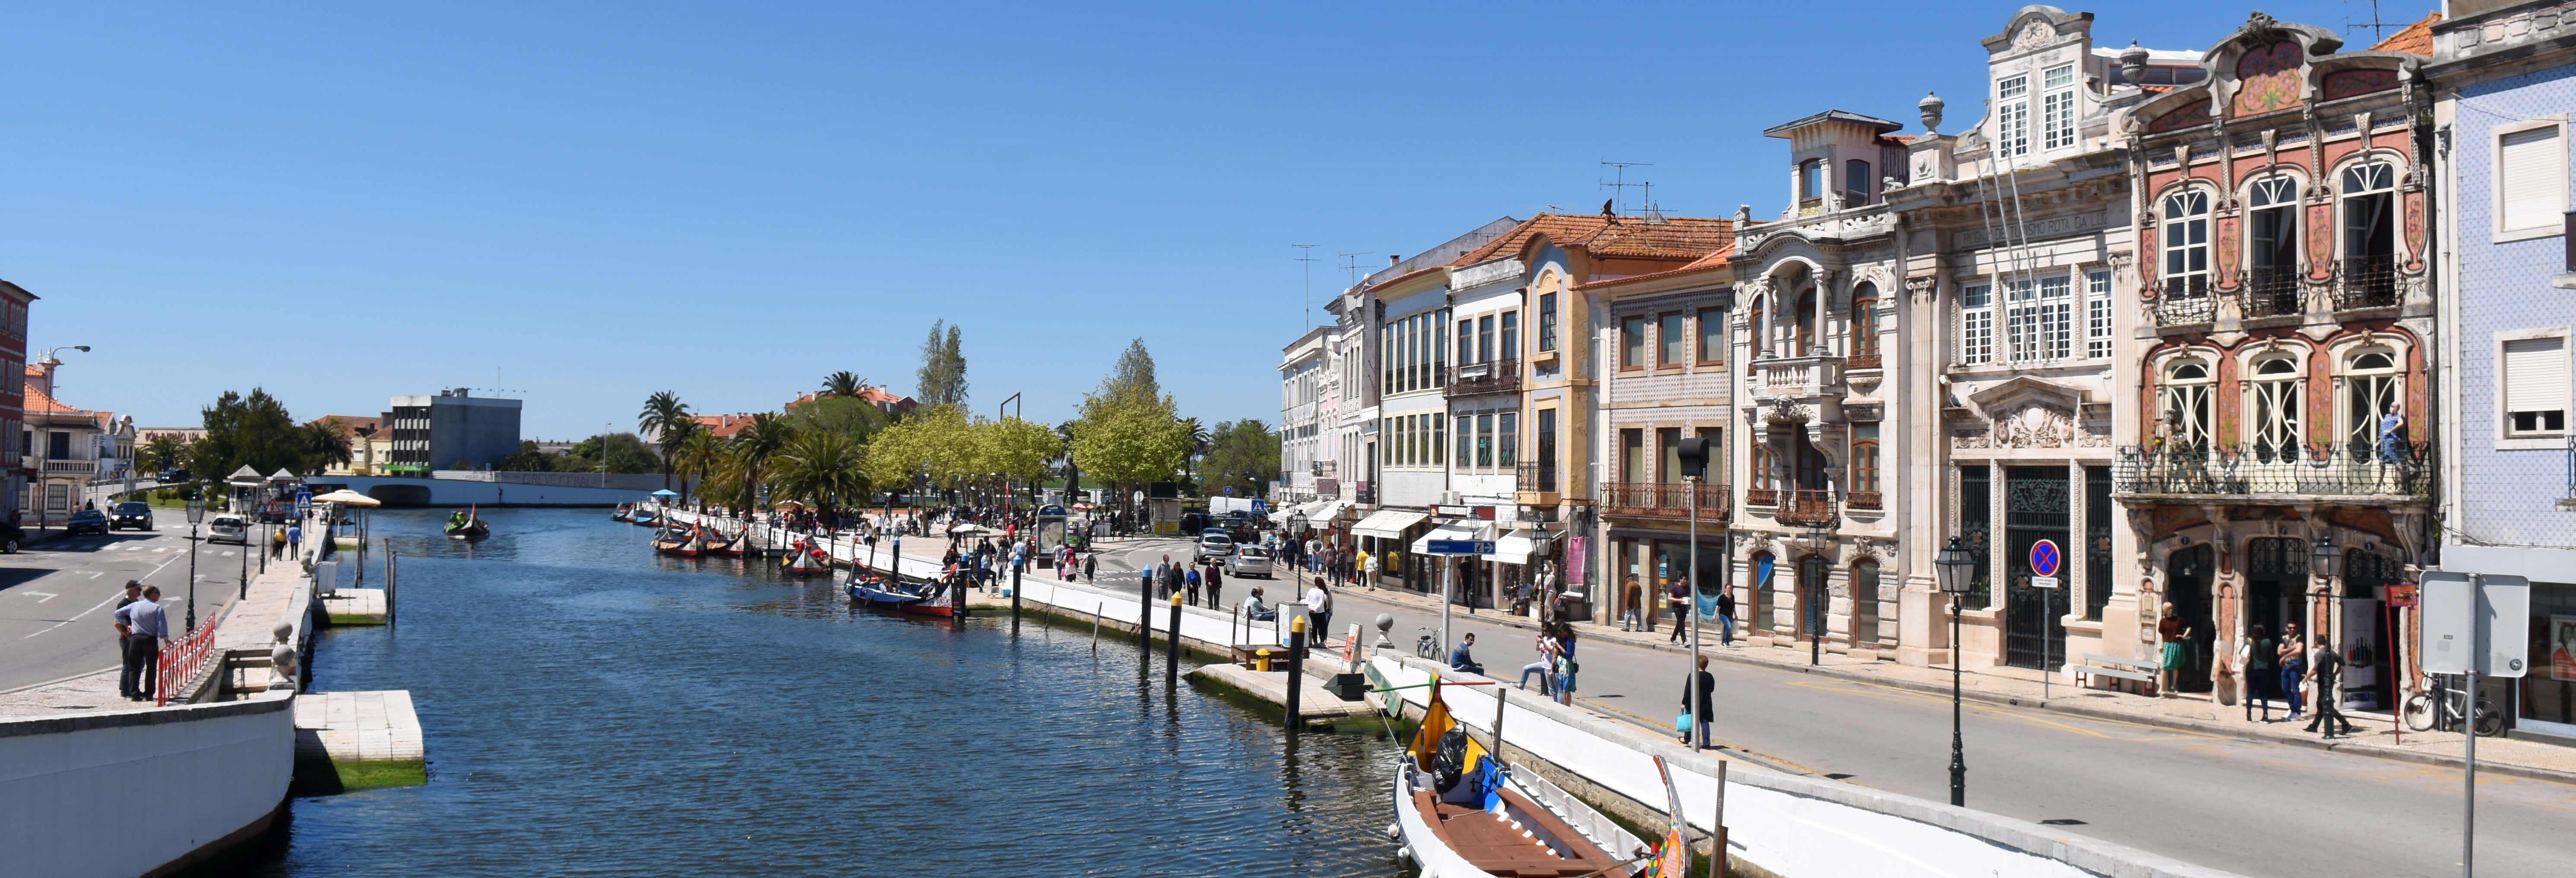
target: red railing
1806 507
183 658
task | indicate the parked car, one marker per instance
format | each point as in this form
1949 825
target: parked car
12 538
174 474
86 521
134 514
1248 561
228 528
1214 545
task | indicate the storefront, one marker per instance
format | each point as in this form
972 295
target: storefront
1472 581
1385 535
2545 699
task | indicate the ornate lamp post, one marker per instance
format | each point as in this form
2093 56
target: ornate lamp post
1958 567
2326 561
1820 535
196 513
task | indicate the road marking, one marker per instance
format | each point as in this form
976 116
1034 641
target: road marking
228 553
44 596
111 598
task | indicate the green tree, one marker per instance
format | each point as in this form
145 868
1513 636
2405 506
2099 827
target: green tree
1015 448
528 460
1198 434
843 384
1133 376
846 415
1243 455
619 453
667 418
1127 441
942 377
164 452
325 444
759 441
823 469
701 458
253 431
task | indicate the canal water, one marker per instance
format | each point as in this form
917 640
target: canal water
591 708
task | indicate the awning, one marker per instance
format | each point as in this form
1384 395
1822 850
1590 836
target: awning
1448 530
1514 548
1387 524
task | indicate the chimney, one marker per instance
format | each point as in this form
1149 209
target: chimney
1392 259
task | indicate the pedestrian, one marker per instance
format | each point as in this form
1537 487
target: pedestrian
2325 667
1215 579
294 539
1700 687
1545 667
1726 617
1190 580
276 543
2294 671
1462 658
1630 596
145 626
1090 563
1368 568
1319 615
2256 663
1565 665
124 634
2170 629
1677 599
1169 575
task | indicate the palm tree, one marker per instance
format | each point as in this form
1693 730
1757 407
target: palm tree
844 383
701 457
667 418
164 451
759 441
324 443
821 467
1199 440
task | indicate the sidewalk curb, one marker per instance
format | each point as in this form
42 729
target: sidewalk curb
2258 736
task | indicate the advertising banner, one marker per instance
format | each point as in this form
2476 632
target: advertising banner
2562 648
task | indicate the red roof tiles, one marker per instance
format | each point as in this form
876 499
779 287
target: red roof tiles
2415 39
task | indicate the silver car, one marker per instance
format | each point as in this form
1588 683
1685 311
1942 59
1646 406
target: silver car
227 529
1213 546
1248 561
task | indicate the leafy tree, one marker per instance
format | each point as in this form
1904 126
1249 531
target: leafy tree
528 460
843 384
253 431
667 418
937 440
1243 455
1133 376
1015 448
700 458
164 452
823 469
621 453
846 415
1198 434
1127 440
325 443
942 377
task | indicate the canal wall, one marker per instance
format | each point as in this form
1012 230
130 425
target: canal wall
1778 824
122 793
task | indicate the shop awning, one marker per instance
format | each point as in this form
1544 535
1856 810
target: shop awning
1387 524
1514 548
1449 530
1316 514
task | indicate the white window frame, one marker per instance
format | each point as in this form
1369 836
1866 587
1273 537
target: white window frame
2169 222
2275 408
1976 324
2057 107
2012 115
2495 177
2195 393
2097 314
2353 377
2504 440
2057 317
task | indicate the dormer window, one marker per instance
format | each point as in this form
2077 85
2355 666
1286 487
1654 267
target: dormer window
2057 107
1855 182
2012 116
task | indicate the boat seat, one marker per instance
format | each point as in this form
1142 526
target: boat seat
1491 844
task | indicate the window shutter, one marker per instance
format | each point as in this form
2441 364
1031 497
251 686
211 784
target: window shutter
2535 374
2531 178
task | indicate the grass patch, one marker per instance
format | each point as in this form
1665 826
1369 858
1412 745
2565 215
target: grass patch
355 619
356 776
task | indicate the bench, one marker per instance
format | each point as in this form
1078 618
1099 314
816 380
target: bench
2097 665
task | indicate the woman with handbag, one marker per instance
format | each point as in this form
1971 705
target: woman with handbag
1701 684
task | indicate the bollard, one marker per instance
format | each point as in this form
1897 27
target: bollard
1145 616
1095 627
1296 669
1172 662
1015 600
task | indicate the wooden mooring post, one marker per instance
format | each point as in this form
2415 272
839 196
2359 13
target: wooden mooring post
390 579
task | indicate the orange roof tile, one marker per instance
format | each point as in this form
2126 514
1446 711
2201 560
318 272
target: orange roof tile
723 426
2414 39
1624 237
1704 263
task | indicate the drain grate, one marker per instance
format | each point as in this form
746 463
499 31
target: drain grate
2063 821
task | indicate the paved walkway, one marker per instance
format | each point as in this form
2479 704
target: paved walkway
240 624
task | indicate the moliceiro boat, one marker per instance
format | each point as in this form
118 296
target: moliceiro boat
806 559
920 599
689 544
1460 813
468 525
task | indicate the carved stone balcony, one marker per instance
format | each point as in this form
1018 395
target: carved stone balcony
1803 507
1492 376
1798 378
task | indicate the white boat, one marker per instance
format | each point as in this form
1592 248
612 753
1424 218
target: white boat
1495 821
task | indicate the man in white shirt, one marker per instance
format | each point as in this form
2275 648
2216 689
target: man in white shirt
145 626
1319 615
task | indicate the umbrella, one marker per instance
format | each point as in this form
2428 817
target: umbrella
666 492
350 497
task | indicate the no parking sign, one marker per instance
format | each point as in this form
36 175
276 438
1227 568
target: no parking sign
2044 559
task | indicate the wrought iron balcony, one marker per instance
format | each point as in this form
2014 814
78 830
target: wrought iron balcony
1492 376
1863 500
2365 282
1806 507
2181 300
1532 476
1859 362
1662 500
1806 377
1761 496
2271 291
2396 472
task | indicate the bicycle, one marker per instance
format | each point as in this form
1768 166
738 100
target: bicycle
2443 706
1427 645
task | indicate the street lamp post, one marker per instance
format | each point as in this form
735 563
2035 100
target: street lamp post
1819 536
1693 457
1957 567
2326 561
196 513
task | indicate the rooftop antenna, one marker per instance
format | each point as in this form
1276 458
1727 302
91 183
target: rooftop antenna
1619 184
2378 28
1306 254
1352 261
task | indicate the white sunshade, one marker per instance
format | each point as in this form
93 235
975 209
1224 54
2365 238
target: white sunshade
1387 524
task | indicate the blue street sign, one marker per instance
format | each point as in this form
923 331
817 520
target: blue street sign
2043 558
1462 547
1258 506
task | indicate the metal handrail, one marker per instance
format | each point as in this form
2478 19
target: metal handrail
1491 376
2391 470
1806 506
1663 500
2185 300
2365 282
2271 291
185 656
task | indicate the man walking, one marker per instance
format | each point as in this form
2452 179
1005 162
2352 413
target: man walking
145 626
295 538
1190 580
1726 617
2325 666
1215 579
125 636
1700 688
1678 599
1630 596
1090 564
1319 616
1169 575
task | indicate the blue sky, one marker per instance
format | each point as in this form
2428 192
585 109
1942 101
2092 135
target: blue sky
586 204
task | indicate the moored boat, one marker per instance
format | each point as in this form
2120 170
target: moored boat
643 516
623 512
1460 813
804 559
920 599
676 543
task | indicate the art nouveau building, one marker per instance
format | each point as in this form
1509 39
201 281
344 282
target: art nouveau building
2284 338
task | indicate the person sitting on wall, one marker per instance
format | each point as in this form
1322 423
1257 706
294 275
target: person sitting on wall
1255 610
1461 659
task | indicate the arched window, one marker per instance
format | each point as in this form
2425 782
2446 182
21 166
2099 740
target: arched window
2272 397
2368 273
1864 321
1802 340
2272 247
2370 382
2184 400
2183 233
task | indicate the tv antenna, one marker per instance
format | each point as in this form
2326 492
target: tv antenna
1619 184
1352 262
2378 28
1306 318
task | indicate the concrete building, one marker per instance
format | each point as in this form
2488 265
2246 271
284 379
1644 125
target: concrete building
1301 449
14 302
1410 474
2284 347
452 430
2503 84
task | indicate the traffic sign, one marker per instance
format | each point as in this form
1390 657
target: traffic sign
1460 547
2044 558
2043 582
2474 622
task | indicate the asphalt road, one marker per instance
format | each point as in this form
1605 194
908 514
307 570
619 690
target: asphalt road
2249 807
55 597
